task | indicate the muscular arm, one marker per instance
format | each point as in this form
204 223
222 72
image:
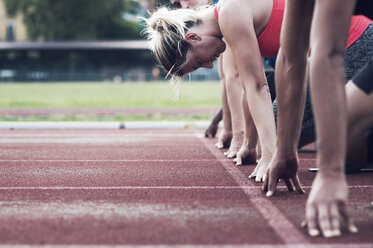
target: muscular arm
291 78
234 94
249 64
326 211
328 40
248 152
290 90
225 135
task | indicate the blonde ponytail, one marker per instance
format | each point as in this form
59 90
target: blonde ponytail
166 30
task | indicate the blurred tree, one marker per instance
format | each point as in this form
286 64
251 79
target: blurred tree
76 19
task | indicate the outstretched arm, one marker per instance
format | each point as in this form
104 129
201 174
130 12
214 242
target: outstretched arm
225 135
211 130
249 64
290 80
233 88
326 206
248 152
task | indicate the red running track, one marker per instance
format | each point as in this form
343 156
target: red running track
168 188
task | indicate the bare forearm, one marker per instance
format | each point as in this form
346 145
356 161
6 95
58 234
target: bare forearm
291 91
233 88
251 134
327 83
218 117
234 94
226 111
330 113
260 105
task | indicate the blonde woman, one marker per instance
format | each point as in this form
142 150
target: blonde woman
184 40
232 133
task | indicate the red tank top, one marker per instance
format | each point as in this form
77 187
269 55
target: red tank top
269 38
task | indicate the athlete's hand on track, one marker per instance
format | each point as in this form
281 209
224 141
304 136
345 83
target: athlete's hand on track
285 169
326 210
224 139
246 156
236 144
261 170
211 130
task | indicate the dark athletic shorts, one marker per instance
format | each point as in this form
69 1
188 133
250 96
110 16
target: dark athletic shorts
364 78
364 7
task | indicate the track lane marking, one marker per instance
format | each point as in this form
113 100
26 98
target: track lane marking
89 135
121 187
119 160
152 187
286 231
104 160
321 245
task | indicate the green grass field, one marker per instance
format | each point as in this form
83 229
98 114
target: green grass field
151 94
107 95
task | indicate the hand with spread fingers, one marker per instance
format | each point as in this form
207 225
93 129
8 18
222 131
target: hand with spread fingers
326 209
260 171
285 169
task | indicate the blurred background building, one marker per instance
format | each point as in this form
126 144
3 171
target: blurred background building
11 26
78 40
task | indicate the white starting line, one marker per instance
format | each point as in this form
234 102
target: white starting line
103 125
245 187
326 245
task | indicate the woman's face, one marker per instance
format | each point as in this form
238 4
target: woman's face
186 4
204 52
